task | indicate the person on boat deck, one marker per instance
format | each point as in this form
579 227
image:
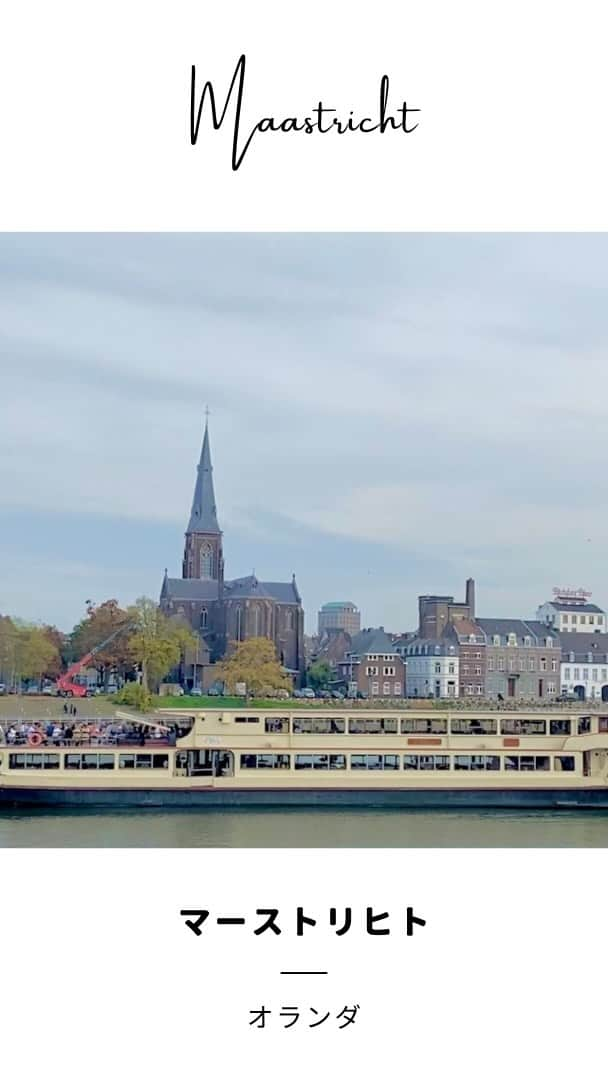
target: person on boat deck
49 729
11 734
56 734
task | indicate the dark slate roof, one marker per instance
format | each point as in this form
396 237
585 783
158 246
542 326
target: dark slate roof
522 629
203 516
542 631
283 592
189 589
582 644
563 605
371 641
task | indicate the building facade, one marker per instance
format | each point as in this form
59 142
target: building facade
584 665
372 667
339 615
522 660
224 611
432 668
571 612
470 642
435 612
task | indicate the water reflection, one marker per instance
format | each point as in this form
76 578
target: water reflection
302 828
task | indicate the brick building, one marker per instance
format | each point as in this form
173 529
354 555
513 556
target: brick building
372 667
435 612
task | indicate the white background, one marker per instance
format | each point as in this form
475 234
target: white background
95 115
101 978
99 975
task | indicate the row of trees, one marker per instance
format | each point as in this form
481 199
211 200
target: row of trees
148 644
29 652
145 647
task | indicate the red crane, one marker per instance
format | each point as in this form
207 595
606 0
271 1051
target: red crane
66 684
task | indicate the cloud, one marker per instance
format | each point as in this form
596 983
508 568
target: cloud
441 397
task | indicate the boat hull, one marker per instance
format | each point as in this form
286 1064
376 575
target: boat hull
352 798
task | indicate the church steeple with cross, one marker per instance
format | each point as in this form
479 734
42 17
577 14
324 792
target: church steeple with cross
203 557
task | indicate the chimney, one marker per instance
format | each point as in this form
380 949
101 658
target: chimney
470 597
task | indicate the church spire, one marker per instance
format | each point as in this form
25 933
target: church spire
203 516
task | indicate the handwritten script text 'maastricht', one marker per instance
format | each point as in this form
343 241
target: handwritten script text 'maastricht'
321 120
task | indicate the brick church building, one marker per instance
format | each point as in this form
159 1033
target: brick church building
221 611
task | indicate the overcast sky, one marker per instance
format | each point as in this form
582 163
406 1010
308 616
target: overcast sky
389 415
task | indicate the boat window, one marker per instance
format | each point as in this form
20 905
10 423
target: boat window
160 761
476 761
88 761
16 761
51 761
143 761
426 761
246 719
265 761
417 725
603 723
473 726
126 761
320 761
378 726
584 725
317 725
560 727
564 762
374 761
277 724
512 725
527 763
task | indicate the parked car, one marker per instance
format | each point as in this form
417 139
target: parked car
307 692
49 691
196 692
31 690
283 695
337 695
324 694
2 688
215 691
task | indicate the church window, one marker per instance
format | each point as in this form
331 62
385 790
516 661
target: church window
239 624
289 619
206 561
204 619
256 622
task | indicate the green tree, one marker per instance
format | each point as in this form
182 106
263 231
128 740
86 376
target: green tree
319 675
158 642
34 654
8 646
100 623
254 662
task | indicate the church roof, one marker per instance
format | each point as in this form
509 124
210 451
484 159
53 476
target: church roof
203 516
246 588
190 589
284 592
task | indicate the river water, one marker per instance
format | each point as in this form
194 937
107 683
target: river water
302 828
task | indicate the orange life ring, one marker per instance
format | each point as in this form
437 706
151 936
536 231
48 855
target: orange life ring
34 738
